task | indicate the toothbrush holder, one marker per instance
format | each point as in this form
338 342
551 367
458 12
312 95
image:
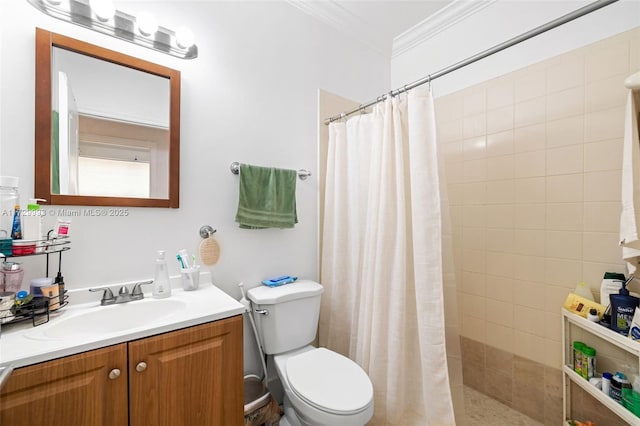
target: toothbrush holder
190 277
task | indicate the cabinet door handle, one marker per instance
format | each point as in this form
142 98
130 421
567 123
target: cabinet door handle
114 374
141 366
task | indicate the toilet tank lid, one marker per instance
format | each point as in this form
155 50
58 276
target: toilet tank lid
264 295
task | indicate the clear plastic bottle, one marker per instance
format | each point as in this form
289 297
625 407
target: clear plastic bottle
161 283
9 197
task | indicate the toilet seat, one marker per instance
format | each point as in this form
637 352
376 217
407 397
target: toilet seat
329 382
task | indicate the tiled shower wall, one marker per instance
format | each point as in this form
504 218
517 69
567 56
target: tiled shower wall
533 168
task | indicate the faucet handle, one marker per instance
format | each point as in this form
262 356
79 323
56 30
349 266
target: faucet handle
136 293
107 297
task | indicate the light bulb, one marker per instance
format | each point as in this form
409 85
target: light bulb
184 38
104 9
147 24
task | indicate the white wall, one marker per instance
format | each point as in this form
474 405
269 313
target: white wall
250 96
499 22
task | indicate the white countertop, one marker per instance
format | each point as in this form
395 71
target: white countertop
22 344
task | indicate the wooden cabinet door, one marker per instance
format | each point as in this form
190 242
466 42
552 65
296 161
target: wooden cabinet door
71 391
188 377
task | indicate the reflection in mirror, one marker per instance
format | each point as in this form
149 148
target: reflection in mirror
105 146
113 126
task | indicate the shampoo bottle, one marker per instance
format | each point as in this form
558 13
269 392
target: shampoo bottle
161 283
623 307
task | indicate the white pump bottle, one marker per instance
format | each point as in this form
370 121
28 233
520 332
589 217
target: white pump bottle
161 283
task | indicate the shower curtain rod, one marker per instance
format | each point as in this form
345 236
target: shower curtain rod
591 7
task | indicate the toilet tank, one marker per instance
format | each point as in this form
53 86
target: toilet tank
293 312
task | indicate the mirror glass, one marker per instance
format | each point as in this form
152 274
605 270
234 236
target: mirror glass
107 126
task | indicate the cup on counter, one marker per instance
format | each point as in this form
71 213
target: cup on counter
12 276
190 277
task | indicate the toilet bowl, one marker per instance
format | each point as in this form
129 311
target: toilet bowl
321 387
325 388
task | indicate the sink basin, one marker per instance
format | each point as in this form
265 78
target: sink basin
108 319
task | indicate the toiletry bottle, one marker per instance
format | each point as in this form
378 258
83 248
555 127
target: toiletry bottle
32 221
9 197
606 383
611 284
593 315
577 356
161 284
60 282
623 306
588 362
16 229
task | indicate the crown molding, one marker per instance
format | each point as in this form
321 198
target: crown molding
330 12
446 17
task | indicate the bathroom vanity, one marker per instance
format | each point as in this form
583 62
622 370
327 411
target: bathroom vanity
184 369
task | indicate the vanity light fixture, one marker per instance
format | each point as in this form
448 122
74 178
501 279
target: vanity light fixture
147 24
101 16
104 9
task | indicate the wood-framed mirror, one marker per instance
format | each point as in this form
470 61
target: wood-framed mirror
107 126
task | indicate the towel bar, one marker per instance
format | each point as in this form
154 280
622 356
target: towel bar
235 169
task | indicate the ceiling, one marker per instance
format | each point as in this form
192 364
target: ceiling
374 22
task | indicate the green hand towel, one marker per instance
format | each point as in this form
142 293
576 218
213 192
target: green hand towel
267 198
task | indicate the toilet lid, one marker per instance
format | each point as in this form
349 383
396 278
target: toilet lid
329 381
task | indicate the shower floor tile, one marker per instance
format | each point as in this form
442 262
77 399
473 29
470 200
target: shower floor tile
482 410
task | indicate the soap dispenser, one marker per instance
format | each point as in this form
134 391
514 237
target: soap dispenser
161 283
623 307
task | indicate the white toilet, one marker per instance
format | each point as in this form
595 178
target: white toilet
322 388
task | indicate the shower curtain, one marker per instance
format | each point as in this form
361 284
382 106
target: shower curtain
382 264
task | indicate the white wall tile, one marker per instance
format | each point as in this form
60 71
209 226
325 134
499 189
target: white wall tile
474 125
568 131
474 148
529 242
564 216
530 138
500 143
499 216
565 188
499 312
500 191
530 112
606 62
601 247
475 171
606 94
602 186
474 101
602 216
567 103
565 160
529 268
531 190
500 288
500 93
564 244
500 120
530 164
563 272
603 125
530 84
566 74
530 216
500 168
603 155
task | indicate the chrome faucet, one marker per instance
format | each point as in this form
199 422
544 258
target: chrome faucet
123 294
